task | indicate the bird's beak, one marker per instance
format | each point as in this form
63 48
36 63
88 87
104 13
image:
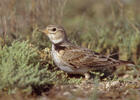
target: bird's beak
44 31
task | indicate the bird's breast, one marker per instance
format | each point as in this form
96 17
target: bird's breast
59 62
57 58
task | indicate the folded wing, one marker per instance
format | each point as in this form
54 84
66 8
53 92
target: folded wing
81 57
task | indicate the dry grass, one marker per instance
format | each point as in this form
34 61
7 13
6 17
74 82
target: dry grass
108 27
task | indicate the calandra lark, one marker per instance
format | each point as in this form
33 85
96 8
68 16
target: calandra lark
74 59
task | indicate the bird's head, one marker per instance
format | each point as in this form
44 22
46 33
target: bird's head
55 33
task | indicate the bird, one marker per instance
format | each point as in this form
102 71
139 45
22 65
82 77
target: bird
75 59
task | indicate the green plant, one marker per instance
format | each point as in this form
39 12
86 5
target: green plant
21 67
18 65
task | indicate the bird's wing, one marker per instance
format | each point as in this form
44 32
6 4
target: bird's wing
81 57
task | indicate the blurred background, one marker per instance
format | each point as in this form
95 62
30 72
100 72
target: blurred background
110 27
106 26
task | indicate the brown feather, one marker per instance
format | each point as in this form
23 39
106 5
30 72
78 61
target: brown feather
82 57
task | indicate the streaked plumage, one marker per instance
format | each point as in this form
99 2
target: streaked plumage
75 59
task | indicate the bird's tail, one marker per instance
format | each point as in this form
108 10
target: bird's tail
127 63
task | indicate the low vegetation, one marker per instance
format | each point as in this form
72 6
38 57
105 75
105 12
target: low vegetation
26 67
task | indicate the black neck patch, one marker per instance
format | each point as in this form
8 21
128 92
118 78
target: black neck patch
59 47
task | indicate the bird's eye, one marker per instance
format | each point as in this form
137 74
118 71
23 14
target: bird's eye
54 29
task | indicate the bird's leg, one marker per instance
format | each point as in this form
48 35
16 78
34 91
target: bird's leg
87 76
